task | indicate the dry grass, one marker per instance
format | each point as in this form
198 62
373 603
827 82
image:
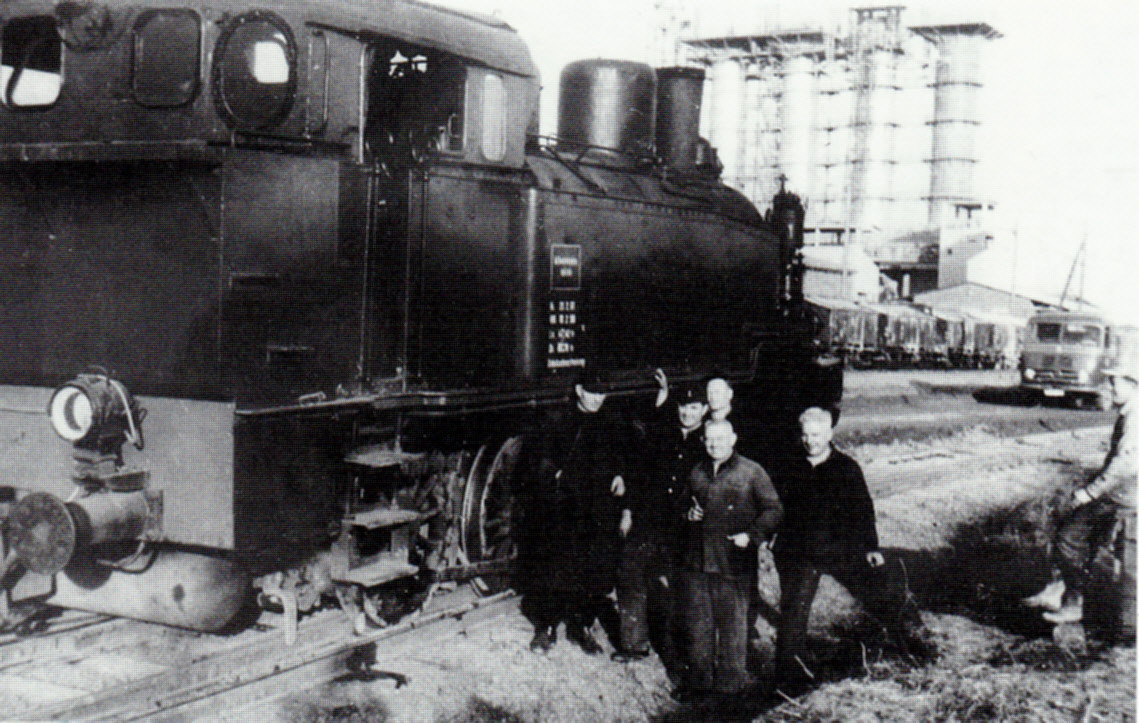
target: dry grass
985 675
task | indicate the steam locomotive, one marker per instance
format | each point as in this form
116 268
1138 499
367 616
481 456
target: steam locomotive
285 286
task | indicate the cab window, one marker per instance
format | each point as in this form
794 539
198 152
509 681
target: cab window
255 71
415 100
1048 332
31 62
493 118
1082 334
166 57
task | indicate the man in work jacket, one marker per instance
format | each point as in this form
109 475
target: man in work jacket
733 509
570 541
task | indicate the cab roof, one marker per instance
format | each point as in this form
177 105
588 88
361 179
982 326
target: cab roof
485 40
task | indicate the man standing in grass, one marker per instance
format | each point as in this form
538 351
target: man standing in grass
829 527
1101 512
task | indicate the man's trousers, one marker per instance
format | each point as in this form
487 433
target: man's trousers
648 609
882 592
1100 527
1081 533
717 620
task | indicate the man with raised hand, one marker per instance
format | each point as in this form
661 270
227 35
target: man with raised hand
648 579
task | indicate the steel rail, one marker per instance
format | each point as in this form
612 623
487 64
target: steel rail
163 694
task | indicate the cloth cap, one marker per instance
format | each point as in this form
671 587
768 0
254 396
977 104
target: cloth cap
691 394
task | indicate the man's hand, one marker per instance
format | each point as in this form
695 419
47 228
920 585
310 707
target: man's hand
740 539
1080 498
662 381
626 522
663 580
695 512
875 559
618 486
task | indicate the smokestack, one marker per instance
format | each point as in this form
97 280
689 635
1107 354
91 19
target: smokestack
679 95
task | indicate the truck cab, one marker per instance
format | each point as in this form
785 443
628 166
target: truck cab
1064 357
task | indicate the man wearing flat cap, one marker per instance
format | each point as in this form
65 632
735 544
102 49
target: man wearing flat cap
649 579
1102 511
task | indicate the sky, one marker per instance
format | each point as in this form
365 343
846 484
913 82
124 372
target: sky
1058 148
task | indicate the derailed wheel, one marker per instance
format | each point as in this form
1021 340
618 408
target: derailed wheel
488 514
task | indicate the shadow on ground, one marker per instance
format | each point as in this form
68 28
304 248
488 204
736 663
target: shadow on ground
1006 396
991 565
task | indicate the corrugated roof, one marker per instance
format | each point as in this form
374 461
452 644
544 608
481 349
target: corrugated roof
978 300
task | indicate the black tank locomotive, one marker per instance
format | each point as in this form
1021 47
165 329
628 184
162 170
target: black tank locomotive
285 286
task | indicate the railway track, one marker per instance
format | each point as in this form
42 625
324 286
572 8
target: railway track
101 669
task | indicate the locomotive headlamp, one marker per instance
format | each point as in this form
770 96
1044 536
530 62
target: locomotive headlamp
96 412
70 412
1030 374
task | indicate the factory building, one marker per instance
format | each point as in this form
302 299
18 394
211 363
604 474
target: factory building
874 126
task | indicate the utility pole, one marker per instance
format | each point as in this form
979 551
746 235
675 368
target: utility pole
1071 272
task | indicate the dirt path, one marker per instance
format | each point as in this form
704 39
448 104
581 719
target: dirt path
927 494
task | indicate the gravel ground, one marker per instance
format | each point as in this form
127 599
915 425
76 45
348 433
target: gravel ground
989 668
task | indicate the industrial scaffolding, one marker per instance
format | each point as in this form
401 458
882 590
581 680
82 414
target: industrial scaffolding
874 127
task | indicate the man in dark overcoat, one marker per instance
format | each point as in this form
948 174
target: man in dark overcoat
829 527
733 509
575 489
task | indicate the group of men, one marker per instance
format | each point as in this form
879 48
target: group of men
665 509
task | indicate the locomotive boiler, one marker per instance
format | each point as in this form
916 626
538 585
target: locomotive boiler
285 286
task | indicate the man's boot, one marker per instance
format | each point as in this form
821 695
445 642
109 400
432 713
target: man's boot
1050 598
581 635
544 638
1072 610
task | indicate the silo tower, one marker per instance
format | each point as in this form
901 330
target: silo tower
957 86
877 42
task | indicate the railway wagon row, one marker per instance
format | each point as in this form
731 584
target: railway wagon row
900 335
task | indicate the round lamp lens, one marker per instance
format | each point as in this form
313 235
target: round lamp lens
71 413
